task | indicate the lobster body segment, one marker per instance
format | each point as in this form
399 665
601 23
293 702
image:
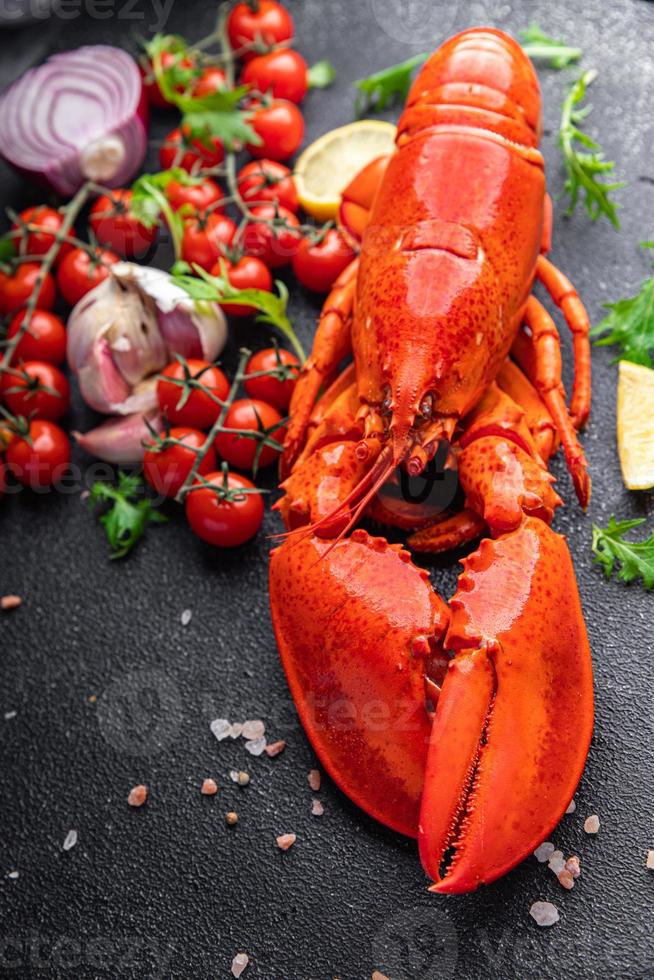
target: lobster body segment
466 725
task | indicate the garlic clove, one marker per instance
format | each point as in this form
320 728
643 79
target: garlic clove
119 440
142 399
100 382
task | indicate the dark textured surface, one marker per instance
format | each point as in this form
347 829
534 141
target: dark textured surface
169 891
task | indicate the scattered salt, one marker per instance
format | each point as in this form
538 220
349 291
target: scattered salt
649 863
256 746
10 714
591 824
13 875
275 748
209 787
544 913
231 818
137 795
317 809
572 806
284 841
573 866
379 976
253 730
544 852
185 618
8 602
239 963
220 728
566 879
556 862
236 730
314 780
71 840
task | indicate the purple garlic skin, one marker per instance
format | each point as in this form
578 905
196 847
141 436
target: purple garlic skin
119 440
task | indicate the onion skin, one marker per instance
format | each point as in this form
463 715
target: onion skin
119 440
104 87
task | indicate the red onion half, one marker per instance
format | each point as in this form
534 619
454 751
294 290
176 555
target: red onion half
80 116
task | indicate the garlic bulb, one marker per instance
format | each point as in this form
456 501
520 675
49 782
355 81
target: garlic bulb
128 328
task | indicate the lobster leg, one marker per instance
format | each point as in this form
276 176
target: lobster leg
331 345
515 713
357 201
512 381
448 534
539 354
566 298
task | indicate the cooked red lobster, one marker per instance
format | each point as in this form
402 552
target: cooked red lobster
466 725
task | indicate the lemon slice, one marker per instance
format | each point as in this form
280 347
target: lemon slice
636 425
326 167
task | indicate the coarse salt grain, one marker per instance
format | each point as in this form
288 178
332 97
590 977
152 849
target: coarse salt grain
275 748
239 963
573 865
137 795
544 913
209 787
556 862
317 809
231 818
236 730
10 714
253 730
379 976
256 746
566 879
71 840
284 841
220 728
544 852
591 824
13 875
8 602
572 806
185 618
313 779
649 862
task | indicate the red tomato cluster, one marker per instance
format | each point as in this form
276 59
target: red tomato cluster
191 397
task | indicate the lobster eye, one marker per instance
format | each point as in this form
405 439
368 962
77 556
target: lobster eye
427 405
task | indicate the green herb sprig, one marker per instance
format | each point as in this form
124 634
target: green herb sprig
128 514
635 559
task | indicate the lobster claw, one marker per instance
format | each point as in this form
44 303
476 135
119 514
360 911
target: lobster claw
358 627
515 713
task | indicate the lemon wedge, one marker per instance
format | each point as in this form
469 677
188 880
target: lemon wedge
636 425
326 167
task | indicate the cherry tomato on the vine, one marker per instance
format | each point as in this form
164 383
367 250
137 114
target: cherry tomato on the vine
266 24
179 150
279 125
44 340
41 459
225 521
211 80
267 180
80 272
199 410
166 469
283 73
115 226
46 222
206 238
246 273
16 289
319 264
267 387
274 244
241 451
172 62
36 388
194 197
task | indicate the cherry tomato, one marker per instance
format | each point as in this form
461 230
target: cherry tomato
16 289
284 73
36 389
225 522
280 127
79 273
270 389
199 411
246 273
319 264
179 150
116 227
251 415
196 197
206 237
45 339
275 246
167 469
171 63
266 180
48 222
210 81
267 24
42 458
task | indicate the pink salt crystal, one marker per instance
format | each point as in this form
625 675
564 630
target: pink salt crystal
284 841
314 780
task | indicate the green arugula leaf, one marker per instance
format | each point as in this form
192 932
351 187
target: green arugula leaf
538 45
386 87
218 289
149 201
635 558
127 517
321 75
583 169
630 326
